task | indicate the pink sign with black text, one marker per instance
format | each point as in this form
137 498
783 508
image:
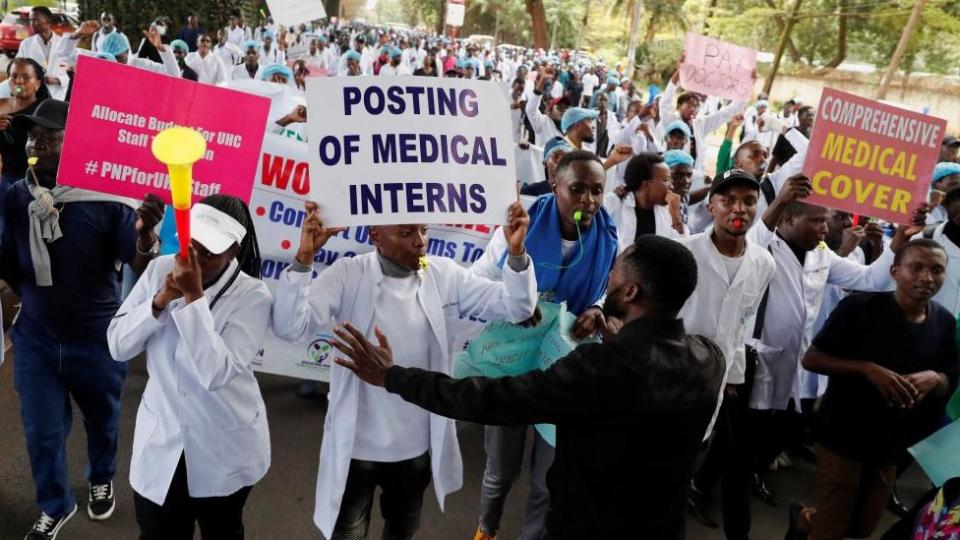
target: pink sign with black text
116 110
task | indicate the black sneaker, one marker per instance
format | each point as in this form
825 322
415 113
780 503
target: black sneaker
102 502
46 527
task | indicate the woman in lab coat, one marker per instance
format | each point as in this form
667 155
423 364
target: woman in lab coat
201 439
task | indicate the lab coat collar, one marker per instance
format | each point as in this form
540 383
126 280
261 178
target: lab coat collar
716 262
213 290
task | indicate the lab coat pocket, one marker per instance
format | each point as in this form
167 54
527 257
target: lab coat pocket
763 379
142 432
243 449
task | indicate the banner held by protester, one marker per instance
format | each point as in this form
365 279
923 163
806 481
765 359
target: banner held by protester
116 111
717 68
420 151
870 158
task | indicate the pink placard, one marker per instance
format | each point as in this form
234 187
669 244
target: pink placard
116 110
717 68
870 158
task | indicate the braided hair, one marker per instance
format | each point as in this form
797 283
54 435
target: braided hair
249 255
42 92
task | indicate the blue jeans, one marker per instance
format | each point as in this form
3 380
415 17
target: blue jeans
46 374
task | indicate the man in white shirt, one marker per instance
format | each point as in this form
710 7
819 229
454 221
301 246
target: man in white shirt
372 438
270 53
316 56
237 33
794 231
209 67
42 47
590 82
250 68
732 275
396 66
229 53
108 25
359 44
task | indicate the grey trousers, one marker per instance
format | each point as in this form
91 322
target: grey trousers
504 447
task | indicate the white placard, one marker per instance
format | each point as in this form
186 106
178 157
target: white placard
455 14
294 12
282 185
410 150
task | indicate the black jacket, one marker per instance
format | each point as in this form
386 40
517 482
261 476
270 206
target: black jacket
630 414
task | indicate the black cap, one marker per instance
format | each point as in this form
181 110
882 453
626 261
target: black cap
733 177
950 140
361 38
51 114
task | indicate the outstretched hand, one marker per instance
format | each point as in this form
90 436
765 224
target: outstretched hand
367 361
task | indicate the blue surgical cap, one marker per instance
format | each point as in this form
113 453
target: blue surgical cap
269 34
247 45
677 157
351 55
179 44
105 56
613 80
461 63
575 115
944 169
557 144
275 69
115 43
395 53
678 124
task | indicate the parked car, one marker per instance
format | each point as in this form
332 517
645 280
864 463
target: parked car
16 27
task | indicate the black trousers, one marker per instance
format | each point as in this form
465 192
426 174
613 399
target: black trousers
220 518
730 460
401 502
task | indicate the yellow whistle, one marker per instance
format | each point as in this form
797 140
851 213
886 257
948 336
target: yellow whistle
179 148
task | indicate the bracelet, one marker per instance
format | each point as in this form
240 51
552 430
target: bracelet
152 251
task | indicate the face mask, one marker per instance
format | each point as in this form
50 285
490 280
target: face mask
162 29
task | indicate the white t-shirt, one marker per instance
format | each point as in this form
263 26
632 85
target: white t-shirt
388 70
732 265
567 249
389 428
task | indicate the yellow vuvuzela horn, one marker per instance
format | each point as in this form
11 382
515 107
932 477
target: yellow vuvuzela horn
179 148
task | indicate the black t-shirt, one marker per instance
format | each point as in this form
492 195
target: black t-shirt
854 420
646 222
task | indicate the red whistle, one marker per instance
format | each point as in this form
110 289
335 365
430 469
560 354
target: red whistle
738 223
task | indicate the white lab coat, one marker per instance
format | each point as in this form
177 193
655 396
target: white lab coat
949 294
544 128
796 294
347 291
624 215
229 54
273 56
52 62
69 52
702 125
719 309
202 399
210 69
240 73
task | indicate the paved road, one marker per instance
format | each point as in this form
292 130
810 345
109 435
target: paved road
281 506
